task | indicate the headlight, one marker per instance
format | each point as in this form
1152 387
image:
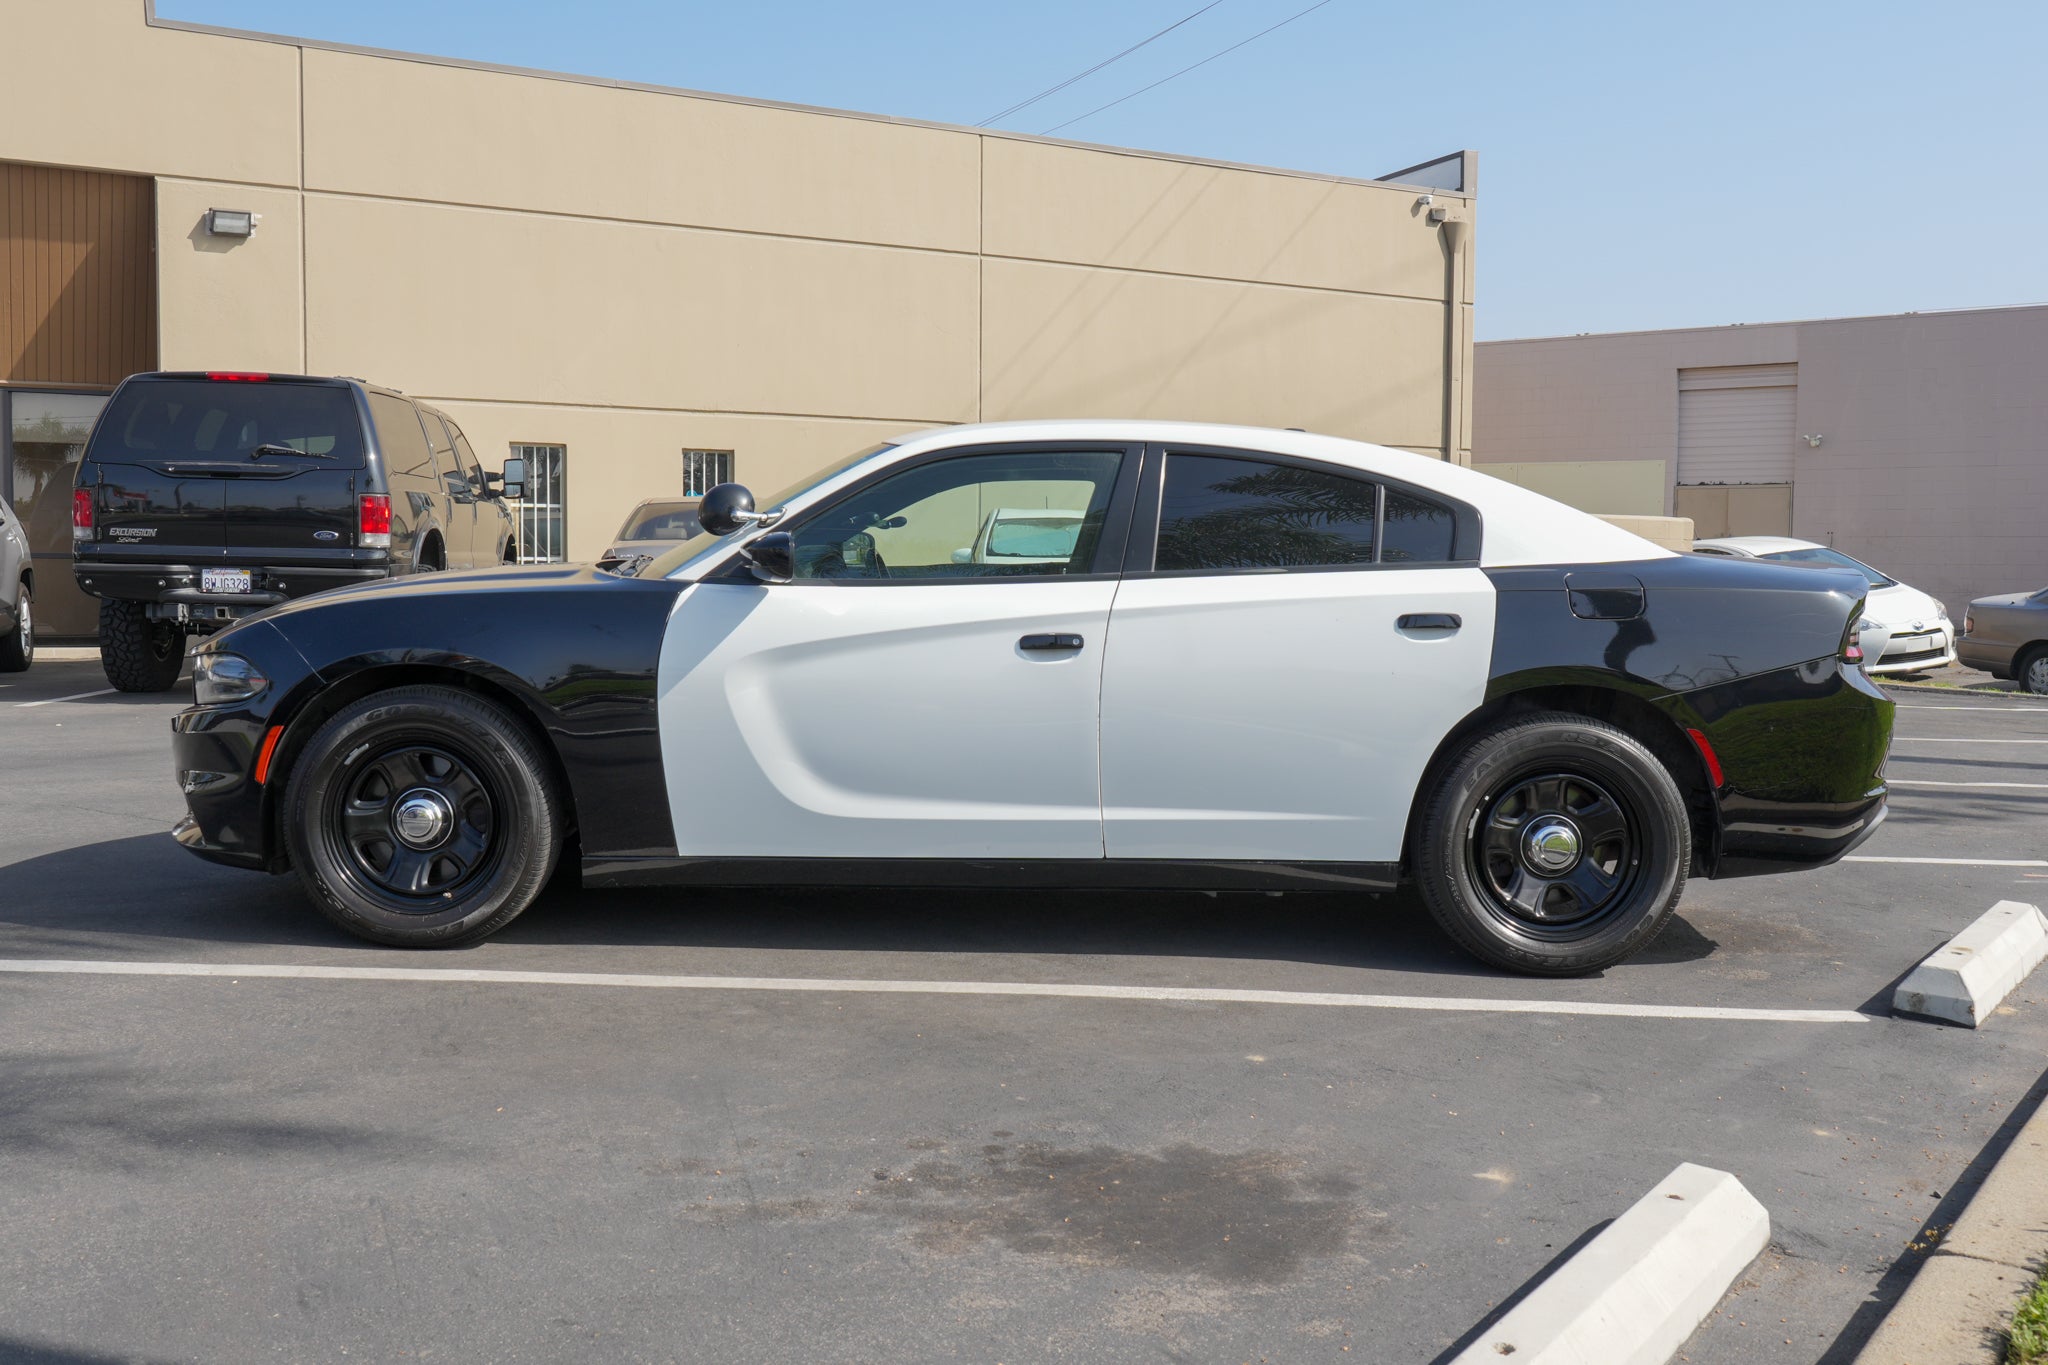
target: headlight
219 678
1866 624
1941 611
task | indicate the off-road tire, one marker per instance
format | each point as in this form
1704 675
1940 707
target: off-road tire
138 654
18 649
1459 860
332 799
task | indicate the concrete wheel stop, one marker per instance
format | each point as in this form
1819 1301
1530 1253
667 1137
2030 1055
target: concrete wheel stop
1964 979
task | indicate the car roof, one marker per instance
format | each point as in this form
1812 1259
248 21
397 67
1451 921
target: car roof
1521 526
1760 545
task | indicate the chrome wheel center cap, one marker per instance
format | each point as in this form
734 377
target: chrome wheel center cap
1551 846
422 818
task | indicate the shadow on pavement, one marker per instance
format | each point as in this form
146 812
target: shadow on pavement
77 902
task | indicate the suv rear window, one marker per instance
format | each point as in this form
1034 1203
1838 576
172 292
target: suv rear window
226 419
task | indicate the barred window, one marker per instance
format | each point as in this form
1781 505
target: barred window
544 510
704 470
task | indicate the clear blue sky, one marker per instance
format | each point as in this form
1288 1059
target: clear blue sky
1642 164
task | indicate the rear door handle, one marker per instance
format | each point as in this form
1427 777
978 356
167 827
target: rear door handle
1050 641
1429 620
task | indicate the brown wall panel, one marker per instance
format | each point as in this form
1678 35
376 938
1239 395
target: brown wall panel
77 276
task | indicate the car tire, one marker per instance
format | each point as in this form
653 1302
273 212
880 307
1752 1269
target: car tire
2031 672
1552 844
138 654
423 817
18 650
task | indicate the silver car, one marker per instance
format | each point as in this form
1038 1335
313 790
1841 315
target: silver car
17 584
2007 637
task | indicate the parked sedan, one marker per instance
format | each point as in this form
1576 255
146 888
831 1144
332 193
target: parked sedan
17 595
1903 630
655 526
2007 637
1267 660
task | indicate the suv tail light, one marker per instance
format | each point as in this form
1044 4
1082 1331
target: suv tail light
81 514
373 520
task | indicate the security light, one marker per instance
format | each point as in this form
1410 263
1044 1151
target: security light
231 222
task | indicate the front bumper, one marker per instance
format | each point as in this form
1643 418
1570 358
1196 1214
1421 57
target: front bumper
213 752
1994 657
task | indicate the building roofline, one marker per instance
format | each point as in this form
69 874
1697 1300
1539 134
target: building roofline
1785 322
153 20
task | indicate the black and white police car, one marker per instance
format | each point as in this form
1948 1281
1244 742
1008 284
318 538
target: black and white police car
1255 660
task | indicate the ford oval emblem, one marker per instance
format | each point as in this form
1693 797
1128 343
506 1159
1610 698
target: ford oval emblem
327 535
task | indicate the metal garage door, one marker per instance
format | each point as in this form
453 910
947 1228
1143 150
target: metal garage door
1735 423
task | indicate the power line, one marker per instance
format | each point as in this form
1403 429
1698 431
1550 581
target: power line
1098 66
1184 70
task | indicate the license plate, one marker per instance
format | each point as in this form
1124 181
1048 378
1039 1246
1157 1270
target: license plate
1913 644
223 580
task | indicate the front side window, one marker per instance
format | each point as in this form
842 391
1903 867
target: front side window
1004 515
1218 512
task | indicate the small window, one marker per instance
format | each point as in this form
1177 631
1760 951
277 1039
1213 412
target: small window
544 509
1016 514
400 439
1217 512
704 470
1417 531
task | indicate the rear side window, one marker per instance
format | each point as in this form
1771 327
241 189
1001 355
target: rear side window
1221 513
160 419
399 437
1416 531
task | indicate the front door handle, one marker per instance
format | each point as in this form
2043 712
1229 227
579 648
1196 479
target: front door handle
1429 620
1050 641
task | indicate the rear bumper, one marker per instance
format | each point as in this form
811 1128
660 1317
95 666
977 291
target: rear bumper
178 584
1802 752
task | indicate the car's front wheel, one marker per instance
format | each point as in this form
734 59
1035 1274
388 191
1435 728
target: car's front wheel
1553 844
424 817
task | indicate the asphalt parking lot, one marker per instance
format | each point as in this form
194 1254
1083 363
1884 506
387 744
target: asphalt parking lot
747 1166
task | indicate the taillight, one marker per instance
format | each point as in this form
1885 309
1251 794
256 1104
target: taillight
1969 622
373 520
236 377
81 514
1853 651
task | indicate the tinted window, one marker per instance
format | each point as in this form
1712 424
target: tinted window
466 457
1417 531
1221 513
937 521
226 420
399 437
444 447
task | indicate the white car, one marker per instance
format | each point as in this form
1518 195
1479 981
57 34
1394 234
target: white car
1903 630
1024 535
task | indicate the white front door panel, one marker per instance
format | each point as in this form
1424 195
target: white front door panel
1282 716
898 721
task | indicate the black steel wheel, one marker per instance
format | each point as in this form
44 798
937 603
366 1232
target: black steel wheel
1553 844
423 817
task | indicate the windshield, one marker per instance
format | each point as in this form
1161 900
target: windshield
666 563
183 418
1051 536
1832 559
662 521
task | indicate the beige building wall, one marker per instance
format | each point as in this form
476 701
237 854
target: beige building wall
1933 454
631 271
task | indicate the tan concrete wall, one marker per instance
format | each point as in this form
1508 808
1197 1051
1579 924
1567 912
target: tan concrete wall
1604 487
1672 533
1933 464
643 271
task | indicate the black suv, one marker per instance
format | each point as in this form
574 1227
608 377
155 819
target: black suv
205 497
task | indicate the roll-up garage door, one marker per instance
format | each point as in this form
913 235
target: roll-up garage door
1735 424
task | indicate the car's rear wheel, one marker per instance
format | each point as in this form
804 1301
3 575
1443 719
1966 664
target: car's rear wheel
424 817
18 649
136 653
2033 670
1553 844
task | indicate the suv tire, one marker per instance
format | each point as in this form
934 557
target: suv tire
1553 844
138 654
18 650
423 817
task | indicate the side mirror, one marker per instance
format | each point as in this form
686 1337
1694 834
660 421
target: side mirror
726 508
773 556
963 555
515 477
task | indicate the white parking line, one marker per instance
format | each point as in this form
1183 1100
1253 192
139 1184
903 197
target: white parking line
1969 786
1963 706
1953 862
75 696
1943 739
470 976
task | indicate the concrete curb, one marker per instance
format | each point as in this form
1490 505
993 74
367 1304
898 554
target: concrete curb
1964 980
1960 1301
1632 1295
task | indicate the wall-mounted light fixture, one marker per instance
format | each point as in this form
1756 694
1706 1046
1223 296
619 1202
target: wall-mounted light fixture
1813 441
231 222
